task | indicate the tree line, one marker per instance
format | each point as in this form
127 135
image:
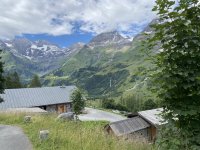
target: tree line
2 80
130 104
13 81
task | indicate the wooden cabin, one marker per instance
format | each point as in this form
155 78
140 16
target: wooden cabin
144 126
154 119
51 99
133 128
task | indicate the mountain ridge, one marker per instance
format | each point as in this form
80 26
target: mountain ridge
109 58
41 56
98 65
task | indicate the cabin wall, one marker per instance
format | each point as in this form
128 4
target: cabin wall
153 131
141 135
51 108
59 108
68 107
144 135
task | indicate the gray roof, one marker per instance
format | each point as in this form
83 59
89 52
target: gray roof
152 116
32 97
128 126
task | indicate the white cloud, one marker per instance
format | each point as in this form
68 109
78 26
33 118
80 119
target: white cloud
58 17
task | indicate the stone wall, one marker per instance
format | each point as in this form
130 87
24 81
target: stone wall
51 108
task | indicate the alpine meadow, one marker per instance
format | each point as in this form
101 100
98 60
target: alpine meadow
100 75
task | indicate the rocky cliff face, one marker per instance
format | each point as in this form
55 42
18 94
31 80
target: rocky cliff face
35 51
42 55
109 39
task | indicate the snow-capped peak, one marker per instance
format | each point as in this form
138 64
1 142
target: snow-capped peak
8 44
108 38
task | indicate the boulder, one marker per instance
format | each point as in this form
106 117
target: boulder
66 116
27 119
84 111
43 135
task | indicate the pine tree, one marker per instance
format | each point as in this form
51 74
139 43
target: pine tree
17 82
35 82
12 81
1 78
78 102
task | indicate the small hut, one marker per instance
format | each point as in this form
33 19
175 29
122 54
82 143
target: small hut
154 119
132 128
142 126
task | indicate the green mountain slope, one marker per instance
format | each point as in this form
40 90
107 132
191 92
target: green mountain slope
34 57
25 67
21 65
104 70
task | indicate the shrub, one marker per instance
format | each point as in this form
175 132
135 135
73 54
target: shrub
110 104
149 104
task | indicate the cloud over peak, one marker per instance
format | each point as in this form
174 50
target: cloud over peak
59 17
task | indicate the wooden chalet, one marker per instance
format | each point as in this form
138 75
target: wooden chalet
51 99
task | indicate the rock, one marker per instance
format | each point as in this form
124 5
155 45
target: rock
84 111
116 111
27 119
66 116
44 134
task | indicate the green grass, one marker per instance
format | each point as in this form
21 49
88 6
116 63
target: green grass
69 135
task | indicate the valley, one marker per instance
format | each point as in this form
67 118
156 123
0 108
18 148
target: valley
109 64
109 69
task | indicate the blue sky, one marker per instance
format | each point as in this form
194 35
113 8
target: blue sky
65 22
61 40
70 39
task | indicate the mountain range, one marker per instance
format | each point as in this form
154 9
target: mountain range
38 57
109 63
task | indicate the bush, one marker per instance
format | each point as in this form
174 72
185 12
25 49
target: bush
149 104
110 104
121 107
133 102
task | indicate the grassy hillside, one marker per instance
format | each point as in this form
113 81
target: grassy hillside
21 65
27 68
70 135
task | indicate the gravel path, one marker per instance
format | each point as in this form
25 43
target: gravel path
99 115
13 138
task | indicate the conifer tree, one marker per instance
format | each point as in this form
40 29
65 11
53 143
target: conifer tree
12 81
35 82
16 81
1 78
78 102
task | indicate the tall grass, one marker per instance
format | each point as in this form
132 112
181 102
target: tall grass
69 135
